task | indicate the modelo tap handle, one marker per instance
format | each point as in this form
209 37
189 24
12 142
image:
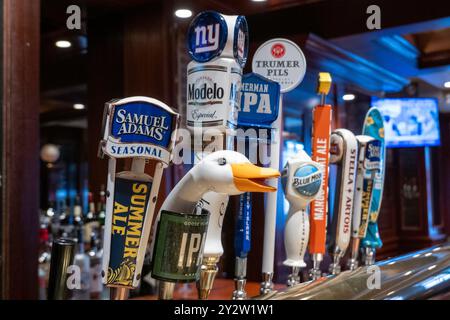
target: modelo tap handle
302 179
343 150
218 46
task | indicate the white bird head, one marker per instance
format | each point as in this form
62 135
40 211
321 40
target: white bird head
232 173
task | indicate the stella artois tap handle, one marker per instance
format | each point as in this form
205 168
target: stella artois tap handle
368 165
343 150
320 153
142 129
302 179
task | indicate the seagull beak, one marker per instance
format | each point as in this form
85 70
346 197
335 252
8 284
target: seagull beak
250 178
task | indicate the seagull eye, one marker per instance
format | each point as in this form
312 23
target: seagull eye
222 161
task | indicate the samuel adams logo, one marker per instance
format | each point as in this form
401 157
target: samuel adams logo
133 123
307 180
140 128
207 36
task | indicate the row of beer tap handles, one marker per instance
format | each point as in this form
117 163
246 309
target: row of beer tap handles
357 171
186 238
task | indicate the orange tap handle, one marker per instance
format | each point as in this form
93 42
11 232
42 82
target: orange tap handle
320 154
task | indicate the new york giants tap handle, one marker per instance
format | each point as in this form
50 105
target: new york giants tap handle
218 46
142 129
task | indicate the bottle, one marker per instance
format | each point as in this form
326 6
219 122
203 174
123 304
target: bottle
44 261
82 290
65 218
95 264
102 206
77 213
90 224
91 214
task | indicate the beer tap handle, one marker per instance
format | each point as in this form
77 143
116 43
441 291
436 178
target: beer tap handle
368 165
320 153
216 204
374 126
343 151
242 245
296 235
302 180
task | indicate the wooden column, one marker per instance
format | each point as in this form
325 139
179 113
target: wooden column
20 149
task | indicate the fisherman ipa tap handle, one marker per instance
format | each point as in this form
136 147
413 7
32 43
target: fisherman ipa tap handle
259 109
302 179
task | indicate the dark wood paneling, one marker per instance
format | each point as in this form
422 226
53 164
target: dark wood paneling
20 187
149 60
105 82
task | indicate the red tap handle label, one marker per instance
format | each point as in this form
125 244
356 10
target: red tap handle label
320 154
